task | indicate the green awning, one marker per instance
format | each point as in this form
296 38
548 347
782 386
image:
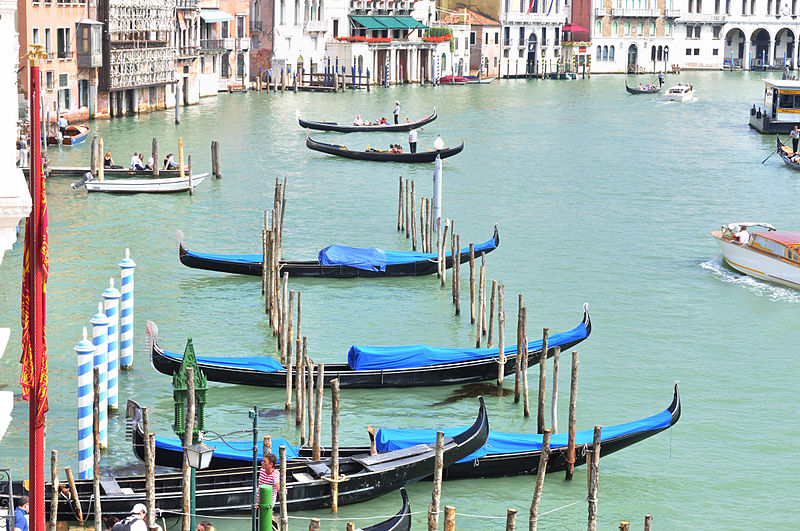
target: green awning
369 22
411 22
211 16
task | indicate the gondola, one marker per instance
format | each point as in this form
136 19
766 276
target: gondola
335 261
786 154
382 156
230 490
503 454
632 90
373 367
74 134
385 128
399 522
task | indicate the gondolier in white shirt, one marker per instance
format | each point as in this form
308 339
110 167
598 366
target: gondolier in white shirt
412 141
396 112
795 134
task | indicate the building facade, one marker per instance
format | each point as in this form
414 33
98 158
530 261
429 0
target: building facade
531 37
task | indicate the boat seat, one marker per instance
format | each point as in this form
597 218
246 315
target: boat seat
371 460
302 477
111 487
320 469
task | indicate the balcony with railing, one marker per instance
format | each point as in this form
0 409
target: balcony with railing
243 44
229 43
625 12
672 13
212 45
701 18
188 52
256 25
535 18
187 4
316 26
600 12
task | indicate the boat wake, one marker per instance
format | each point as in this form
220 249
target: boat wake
759 287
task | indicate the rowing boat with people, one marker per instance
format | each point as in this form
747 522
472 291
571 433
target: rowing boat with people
378 155
366 128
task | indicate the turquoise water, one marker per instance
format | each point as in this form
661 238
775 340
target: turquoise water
599 196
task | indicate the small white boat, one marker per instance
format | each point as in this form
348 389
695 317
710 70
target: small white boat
769 255
679 93
151 186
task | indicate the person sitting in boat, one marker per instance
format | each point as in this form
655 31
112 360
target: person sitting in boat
395 148
438 144
169 163
641 87
383 120
136 162
742 237
358 120
150 163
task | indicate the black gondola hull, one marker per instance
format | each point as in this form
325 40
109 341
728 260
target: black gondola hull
632 90
315 269
386 128
382 156
435 375
786 159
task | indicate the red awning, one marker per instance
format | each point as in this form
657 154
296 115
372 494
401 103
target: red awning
573 27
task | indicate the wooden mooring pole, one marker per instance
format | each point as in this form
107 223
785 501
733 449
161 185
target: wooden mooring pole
407 209
413 218
501 334
481 326
542 381
98 513
287 342
400 206
443 257
648 522
436 495
284 522
526 409
149 469
335 406
540 473
457 274
73 490
511 519
449 518
573 399
154 153
492 306
593 479
54 491
554 398
520 347
318 410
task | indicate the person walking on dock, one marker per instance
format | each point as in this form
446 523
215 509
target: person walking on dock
795 134
396 112
412 141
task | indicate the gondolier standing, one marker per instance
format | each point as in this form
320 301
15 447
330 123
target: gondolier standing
396 112
660 78
412 141
795 134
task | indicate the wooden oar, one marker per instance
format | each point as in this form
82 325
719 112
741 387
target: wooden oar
765 160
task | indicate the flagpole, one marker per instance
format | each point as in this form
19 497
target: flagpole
37 381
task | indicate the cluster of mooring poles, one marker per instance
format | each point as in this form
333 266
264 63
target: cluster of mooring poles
334 78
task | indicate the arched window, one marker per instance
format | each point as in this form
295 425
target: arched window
307 11
605 53
652 53
652 29
444 62
598 28
614 29
639 29
667 29
611 54
320 10
599 53
296 12
660 53
299 64
283 12
769 7
627 27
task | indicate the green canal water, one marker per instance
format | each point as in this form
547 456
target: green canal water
599 196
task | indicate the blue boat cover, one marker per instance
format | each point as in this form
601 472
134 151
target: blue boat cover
257 363
373 259
511 443
238 258
242 450
409 356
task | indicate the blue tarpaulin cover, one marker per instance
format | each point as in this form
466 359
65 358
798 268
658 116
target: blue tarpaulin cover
409 356
373 259
258 363
510 443
241 449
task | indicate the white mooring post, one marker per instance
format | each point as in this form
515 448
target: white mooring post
100 342
126 312
111 298
85 351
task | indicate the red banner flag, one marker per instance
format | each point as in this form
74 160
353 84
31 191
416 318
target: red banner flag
35 267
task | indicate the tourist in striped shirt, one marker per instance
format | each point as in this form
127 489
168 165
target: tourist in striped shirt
269 475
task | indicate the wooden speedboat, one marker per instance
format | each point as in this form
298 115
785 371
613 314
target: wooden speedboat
385 128
503 454
679 93
373 367
769 255
789 157
453 80
382 156
75 134
335 261
634 90
363 477
150 186
475 80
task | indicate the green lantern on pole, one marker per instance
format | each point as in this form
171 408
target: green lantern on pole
180 389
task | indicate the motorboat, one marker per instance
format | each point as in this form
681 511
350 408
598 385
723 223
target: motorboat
681 92
767 254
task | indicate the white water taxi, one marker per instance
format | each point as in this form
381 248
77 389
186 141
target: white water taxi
679 93
150 186
769 255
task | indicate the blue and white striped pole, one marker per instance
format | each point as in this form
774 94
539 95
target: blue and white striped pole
126 312
111 297
85 351
100 342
